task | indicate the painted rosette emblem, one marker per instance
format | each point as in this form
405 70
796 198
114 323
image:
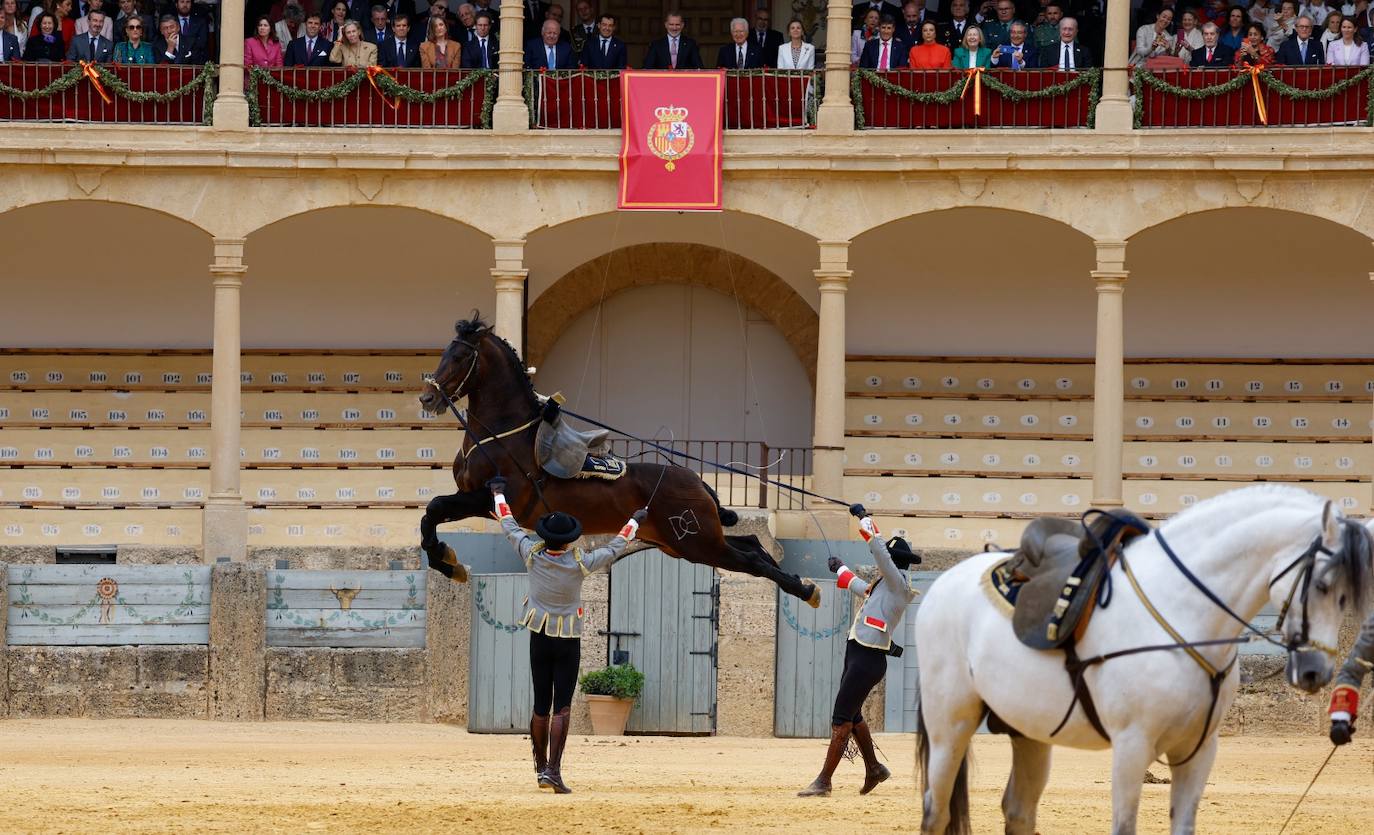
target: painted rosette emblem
106 591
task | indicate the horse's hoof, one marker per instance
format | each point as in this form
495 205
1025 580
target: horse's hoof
460 571
814 599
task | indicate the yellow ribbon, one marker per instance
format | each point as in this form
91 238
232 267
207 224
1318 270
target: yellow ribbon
974 79
1255 71
88 69
372 72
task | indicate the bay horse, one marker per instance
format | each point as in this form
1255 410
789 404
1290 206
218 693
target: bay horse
1239 550
503 416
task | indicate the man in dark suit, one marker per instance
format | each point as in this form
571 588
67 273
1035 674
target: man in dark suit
742 53
360 10
464 29
92 46
951 32
195 30
536 12
1213 53
1018 53
1067 54
586 26
674 51
909 30
1301 50
310 49
884 52
555 13
768 40
882 7
170 48
481 53
378 29
400 49
547 52
604 51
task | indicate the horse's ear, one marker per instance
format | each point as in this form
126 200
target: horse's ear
1331 521
458 327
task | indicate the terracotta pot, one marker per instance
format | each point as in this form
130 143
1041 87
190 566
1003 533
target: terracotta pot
609 714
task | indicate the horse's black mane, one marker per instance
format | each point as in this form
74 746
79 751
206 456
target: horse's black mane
469 330
1354 559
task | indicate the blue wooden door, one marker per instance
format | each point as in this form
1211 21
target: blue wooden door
810 658
663 618
500 696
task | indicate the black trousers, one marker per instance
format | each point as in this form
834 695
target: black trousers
864 667
553 667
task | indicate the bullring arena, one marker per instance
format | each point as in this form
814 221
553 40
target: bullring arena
214 462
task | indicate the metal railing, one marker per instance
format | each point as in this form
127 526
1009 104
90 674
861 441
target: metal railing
370 97
1231 98
773 465
936 99
154 94
754 99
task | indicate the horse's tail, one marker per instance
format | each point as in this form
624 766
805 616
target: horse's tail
728 517
959 823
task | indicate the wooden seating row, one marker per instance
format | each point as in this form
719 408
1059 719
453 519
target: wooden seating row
163 408
1073 379
313 371
1227 460
1217 420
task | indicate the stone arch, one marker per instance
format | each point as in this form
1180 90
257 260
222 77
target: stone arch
585 286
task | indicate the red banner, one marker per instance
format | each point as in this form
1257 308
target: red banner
671 145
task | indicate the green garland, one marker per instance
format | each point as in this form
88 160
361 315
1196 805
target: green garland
1090 77
385 83
117 86
1143 78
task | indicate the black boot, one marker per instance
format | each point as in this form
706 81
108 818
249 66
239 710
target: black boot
552 777
539 740
839 738
874 771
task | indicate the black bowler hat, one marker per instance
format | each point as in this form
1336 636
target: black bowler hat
901 553
558 529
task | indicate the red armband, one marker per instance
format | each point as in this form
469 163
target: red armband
867 529
628 532
1345 699
845 578
502 509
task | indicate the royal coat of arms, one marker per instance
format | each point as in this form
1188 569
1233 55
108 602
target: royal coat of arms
671 138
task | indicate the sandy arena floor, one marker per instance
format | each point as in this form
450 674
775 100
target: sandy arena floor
155 776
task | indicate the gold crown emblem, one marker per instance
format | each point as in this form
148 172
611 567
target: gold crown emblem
671 113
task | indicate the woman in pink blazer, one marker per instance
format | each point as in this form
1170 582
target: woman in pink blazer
262 50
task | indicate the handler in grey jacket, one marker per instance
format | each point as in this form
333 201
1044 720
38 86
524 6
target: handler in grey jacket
1345 699
553 615
865 654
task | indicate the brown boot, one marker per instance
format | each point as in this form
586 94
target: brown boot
539 741
552 778
839 738
874 771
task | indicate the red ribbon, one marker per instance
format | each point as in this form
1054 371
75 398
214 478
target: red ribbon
88 69
372 72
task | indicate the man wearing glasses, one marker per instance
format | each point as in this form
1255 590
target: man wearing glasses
1302 49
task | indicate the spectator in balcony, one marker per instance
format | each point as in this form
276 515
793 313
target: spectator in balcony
1212 53
61 10
171 48
481 53
9 44
332 30
312 48
133 49
796 54
884 52
604 51
971 53
1283 24
861 36
909 31
400 50
438 52
674 51
465 31
379 28
292 22
1017 53
585 27
91 45
860 12
1304 49
959 19
742 53
536 12
1068 54
767 39
1317 10
929 54
105 30
998 30
262 50
1233 33
555 13
1350 50
195 30
14 24
1332 30
45 43
1189 36
1254 51
1046 34
1154 39
492 12
353 50
547 52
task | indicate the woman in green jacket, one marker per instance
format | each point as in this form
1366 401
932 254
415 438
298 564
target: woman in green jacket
972 53
134 50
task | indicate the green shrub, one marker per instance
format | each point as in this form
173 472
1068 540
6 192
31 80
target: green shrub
622 681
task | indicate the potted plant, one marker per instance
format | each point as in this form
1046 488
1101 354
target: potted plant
611 694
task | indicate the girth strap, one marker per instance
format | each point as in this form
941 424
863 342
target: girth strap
1081 694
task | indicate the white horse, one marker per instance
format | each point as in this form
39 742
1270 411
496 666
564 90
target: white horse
1249 546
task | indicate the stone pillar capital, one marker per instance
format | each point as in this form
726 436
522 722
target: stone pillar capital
1111 264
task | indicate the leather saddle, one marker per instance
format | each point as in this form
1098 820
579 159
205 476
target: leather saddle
1060 567
565 452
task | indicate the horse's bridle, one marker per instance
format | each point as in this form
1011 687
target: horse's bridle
1306 565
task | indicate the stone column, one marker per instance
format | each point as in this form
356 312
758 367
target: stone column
231 108
510 114
238 642
836 112
827 467
1114 108
509 276
1109 371
225 521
